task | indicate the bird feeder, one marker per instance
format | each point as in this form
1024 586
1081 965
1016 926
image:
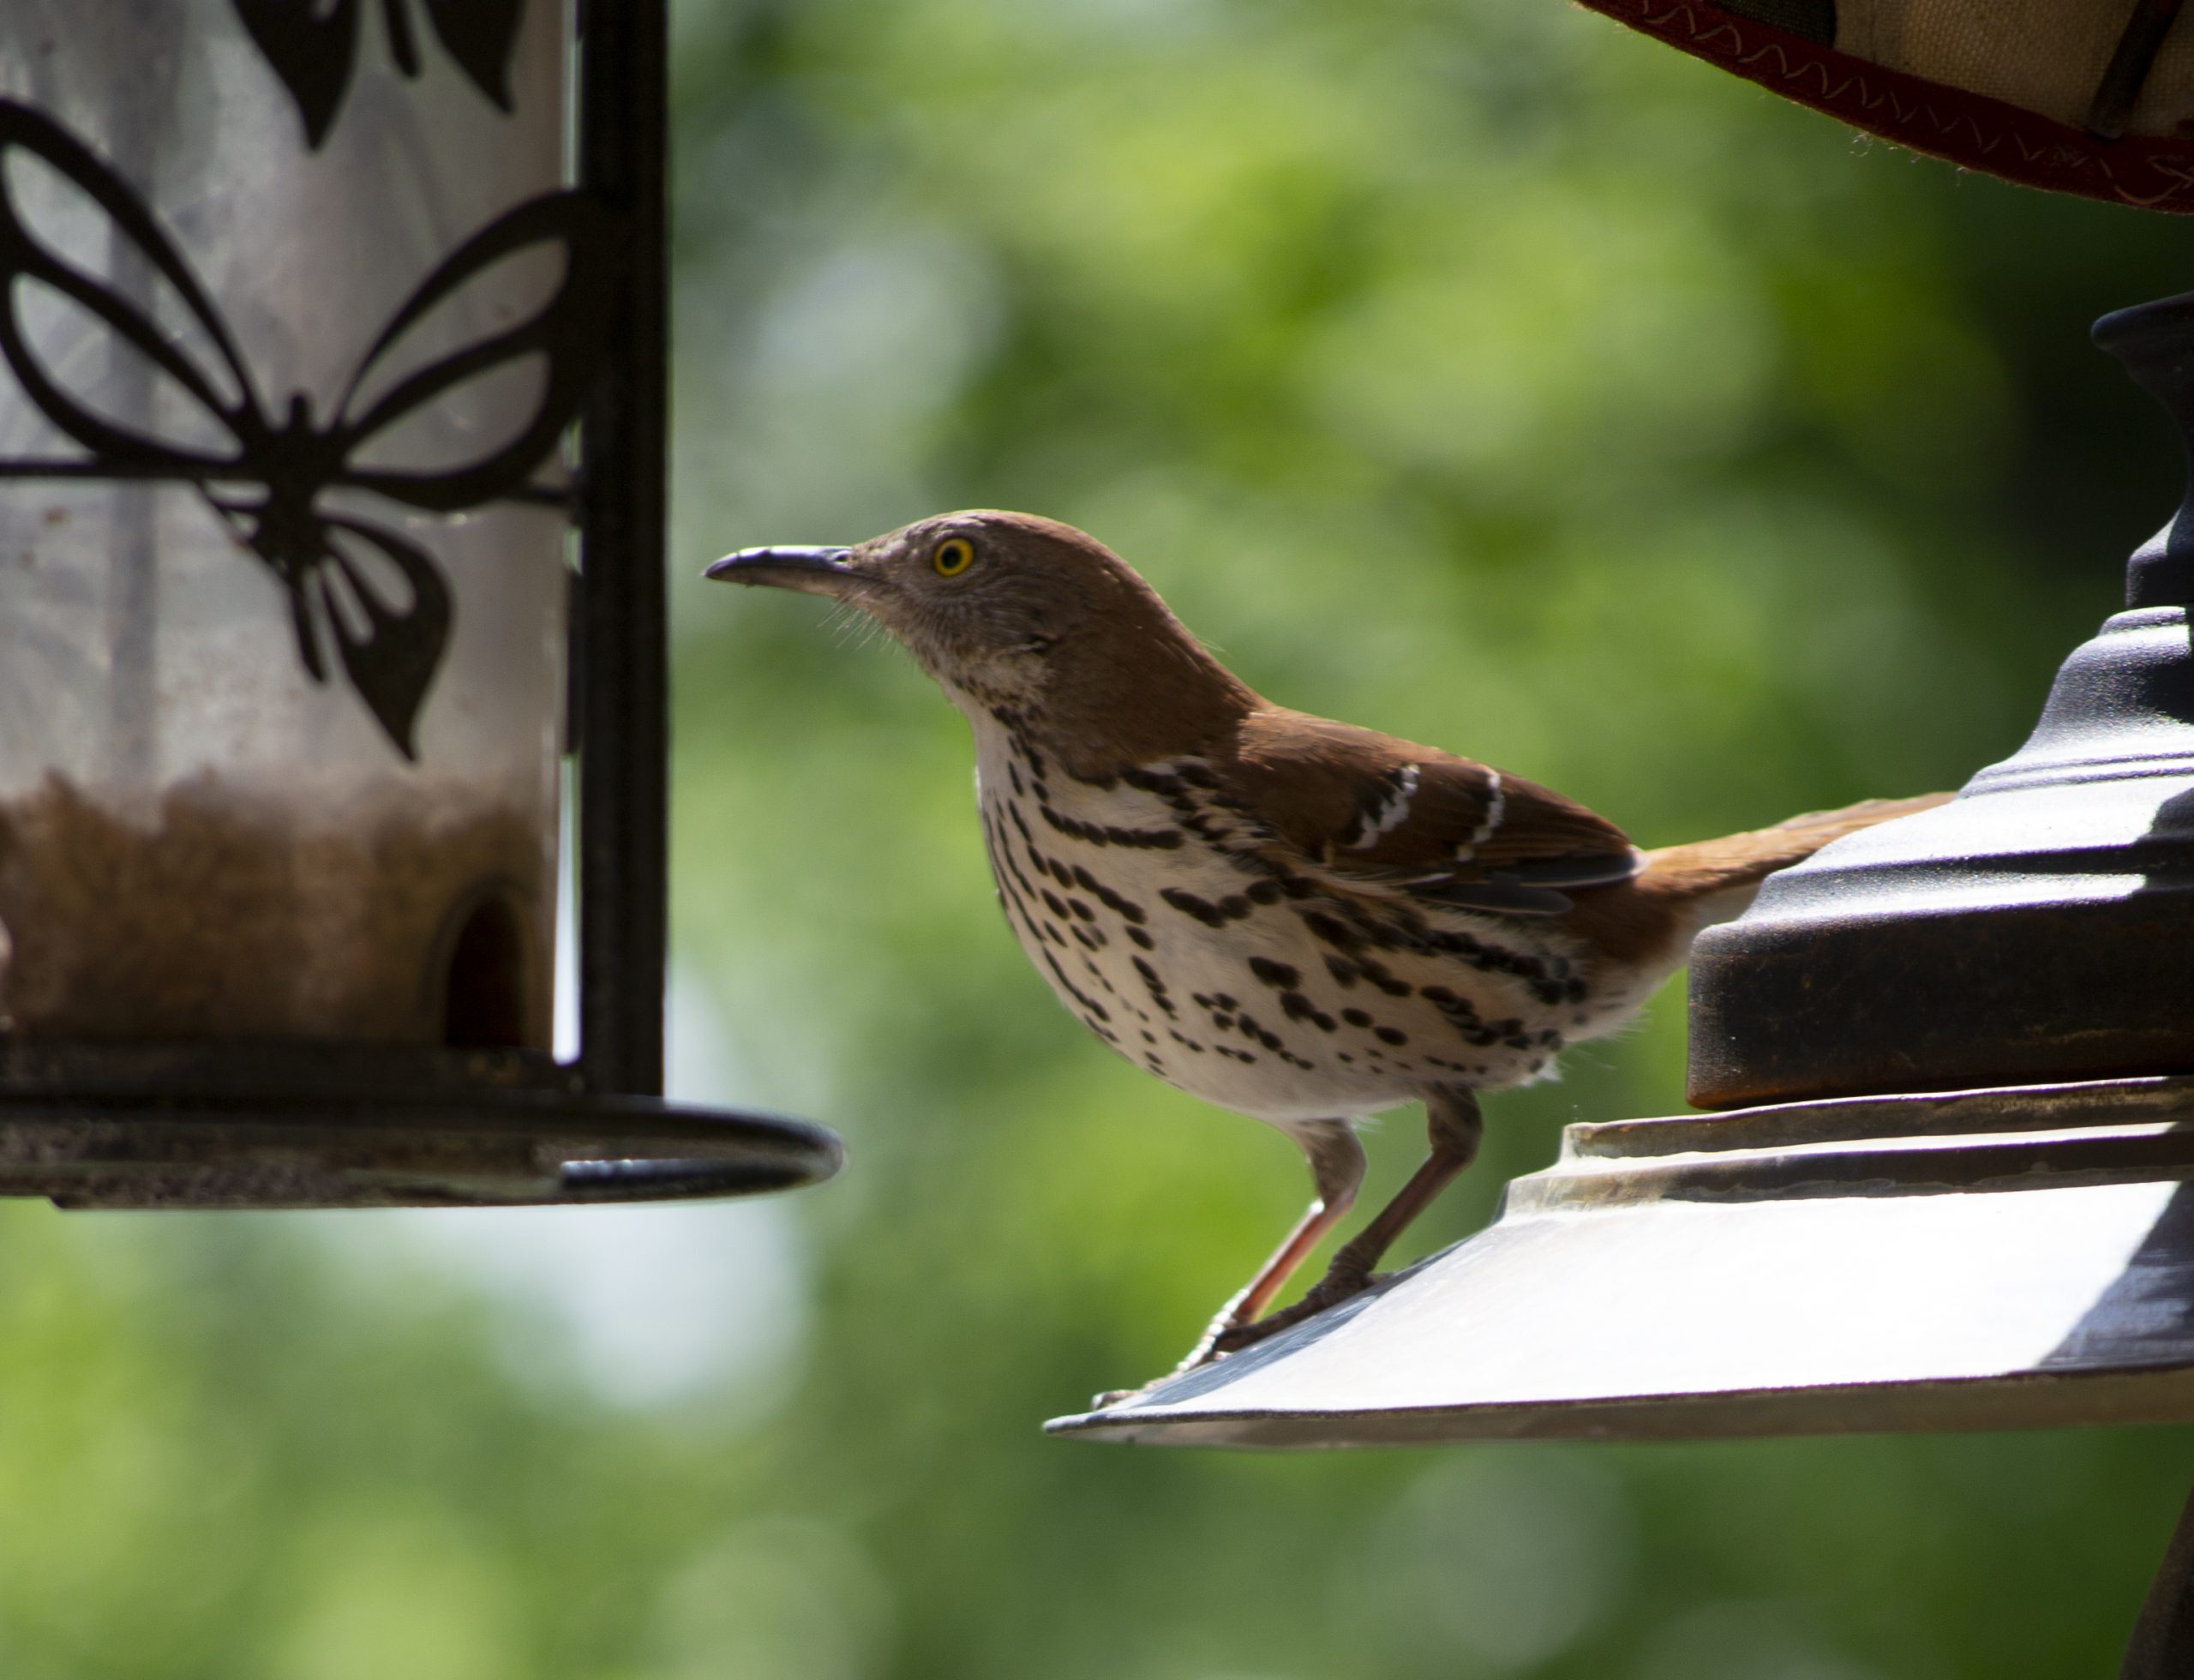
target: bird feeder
299 315
1951 1183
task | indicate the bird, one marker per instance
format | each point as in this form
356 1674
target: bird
1303 920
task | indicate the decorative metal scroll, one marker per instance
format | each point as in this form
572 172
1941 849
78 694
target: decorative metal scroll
267 483
313 47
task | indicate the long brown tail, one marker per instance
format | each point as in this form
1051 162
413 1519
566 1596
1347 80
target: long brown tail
1706 867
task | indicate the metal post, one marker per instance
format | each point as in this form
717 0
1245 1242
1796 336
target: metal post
2163 1638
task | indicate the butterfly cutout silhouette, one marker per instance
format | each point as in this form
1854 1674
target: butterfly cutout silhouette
314 47
266 474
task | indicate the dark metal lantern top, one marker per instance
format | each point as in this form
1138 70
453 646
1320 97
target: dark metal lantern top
2040 926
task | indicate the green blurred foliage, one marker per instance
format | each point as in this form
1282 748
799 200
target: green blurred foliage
1471 370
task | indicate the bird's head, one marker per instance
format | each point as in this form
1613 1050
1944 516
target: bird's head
1009 610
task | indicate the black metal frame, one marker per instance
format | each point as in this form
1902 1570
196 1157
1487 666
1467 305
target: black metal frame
238 1124
623 832
2162 1646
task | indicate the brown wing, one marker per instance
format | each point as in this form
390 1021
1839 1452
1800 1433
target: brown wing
1369 812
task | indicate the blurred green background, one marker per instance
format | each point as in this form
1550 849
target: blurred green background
1470 368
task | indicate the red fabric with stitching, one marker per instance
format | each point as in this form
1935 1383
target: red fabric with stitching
1970 129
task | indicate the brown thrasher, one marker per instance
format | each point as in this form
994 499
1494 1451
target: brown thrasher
1298 920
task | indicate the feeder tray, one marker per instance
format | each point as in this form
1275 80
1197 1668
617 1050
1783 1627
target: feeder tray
92 1128
2016 1259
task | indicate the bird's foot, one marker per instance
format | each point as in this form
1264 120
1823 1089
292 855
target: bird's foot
1226 1336
1330 1290
1201 1354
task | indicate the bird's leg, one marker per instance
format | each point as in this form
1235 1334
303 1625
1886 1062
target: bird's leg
1453 1120
1336 1169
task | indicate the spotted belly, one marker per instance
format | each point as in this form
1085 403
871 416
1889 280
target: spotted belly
1255 991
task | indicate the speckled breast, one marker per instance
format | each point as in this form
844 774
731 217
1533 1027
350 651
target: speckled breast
1250 989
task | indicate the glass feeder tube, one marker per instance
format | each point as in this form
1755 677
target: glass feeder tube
275 763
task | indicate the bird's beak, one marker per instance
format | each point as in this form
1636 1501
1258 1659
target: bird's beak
811 570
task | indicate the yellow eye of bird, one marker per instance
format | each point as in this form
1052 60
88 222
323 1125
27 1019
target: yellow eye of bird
953 555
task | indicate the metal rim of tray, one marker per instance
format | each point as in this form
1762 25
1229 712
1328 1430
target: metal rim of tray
268 1149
